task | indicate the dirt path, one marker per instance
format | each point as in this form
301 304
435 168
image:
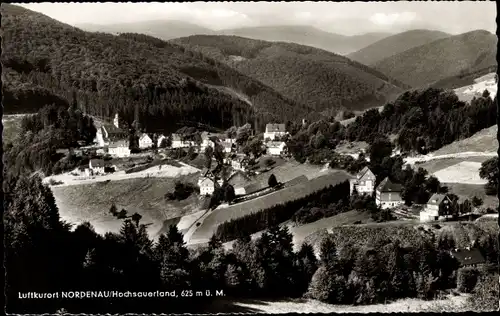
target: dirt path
429 157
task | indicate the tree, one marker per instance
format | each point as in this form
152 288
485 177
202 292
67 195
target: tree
379 149
209 153
489 171
476 201
229 194
272 182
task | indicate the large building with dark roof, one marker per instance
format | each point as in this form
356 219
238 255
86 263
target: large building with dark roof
388 194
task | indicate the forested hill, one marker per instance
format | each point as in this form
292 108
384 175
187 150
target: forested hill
395 44
307 35
442 58
312 76
161 85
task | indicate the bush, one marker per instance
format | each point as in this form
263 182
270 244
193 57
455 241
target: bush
486 293
181 192
466 279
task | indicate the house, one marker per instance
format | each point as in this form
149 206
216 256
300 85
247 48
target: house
228 147
98 166
276 148
468 256
145 141
388 194
239 163
239 181
434 205
274 131
119 148
207 186
179 142
364 182
108 133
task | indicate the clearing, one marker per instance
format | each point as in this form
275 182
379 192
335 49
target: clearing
11 126
483 141
486 82
220 215
466 172
433 166
146 196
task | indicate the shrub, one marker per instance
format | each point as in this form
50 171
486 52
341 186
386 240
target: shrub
486 293
466 279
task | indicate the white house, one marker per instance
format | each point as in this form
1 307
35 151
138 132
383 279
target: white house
388 194
178 142
96 166
119 149
364 182
239 163
145 141
276 148
274 131
227 146
207 186
431 211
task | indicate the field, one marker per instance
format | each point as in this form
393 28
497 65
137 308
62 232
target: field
466 172
471 190
220 215
449 303
483 141
286 171
435 165
142 195
346 148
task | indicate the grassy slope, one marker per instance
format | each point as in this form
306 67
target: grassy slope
143 195
483 141
218 216
11 127
442 58
395 44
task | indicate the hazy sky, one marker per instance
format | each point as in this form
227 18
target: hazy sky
344 18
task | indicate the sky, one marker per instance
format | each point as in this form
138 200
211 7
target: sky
348 18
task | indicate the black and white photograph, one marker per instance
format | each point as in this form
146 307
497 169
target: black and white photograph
250 157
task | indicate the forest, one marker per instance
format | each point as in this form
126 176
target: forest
324 81
132 75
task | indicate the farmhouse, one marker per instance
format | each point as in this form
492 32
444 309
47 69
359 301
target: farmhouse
179 142
364 183
207 186
432 209
276 148
471 257
388 194
98 166
239 163
119 149
109 132
145 141
228 147
274 131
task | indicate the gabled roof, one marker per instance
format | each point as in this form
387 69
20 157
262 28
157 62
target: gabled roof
97 163
144 136
388 186
365 171
273 144
206 182
275 128
468 256
436 199
111 129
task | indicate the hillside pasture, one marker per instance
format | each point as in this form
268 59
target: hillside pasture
482 141
466 172
435 165
220 215
470 190
146 196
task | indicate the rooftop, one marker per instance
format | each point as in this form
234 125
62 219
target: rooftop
468 256
436 199
388 186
